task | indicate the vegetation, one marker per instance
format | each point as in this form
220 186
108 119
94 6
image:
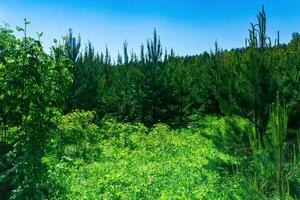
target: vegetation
75 124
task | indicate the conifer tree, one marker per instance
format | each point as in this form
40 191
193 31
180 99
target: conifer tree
72 46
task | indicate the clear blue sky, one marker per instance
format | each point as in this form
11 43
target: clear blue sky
188 26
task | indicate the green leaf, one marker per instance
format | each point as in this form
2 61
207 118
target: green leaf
19 29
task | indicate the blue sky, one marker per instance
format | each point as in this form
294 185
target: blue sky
188 26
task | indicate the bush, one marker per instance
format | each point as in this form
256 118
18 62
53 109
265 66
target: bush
77 133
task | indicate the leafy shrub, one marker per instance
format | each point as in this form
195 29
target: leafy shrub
32 84
77 133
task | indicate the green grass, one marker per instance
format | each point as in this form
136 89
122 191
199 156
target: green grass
157 163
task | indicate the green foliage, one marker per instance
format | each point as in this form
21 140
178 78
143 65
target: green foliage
65 119
76 134
154 163
72 46
269 165
32 84
276 164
